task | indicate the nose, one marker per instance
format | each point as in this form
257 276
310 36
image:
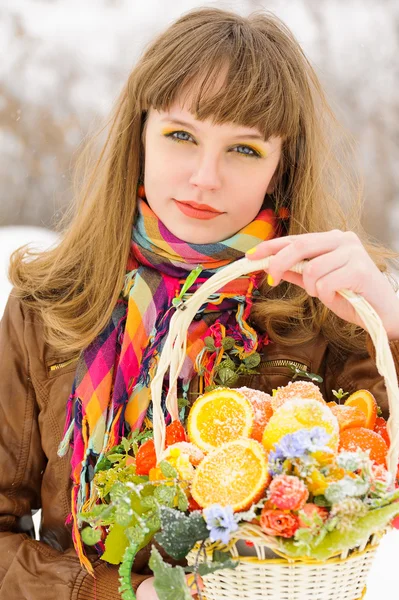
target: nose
206 174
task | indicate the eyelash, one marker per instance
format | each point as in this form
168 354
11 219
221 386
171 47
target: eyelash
176 139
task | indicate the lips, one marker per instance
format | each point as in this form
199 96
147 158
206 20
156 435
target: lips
200 206
197 211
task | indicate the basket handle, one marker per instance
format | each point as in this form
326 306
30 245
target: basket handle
174 350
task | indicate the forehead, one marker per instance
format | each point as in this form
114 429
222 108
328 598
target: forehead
179 113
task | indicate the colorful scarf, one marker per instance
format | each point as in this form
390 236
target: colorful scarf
111 391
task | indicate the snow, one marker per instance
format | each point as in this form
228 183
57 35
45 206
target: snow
12 238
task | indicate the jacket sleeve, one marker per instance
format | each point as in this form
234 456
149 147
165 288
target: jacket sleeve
359 371
29 568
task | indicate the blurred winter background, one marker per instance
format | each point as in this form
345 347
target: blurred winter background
65 61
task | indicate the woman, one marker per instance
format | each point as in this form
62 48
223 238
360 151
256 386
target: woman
221 141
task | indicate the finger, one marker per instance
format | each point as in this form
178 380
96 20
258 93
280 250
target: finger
307 240
327 287
302 249
319 267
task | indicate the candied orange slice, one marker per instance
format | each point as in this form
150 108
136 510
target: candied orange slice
262 405
364 400
235 474
365 439
219 416
348 416
301 413
294 390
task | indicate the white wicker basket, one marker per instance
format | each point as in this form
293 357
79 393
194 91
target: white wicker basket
282 578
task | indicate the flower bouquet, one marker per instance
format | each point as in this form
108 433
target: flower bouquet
282 496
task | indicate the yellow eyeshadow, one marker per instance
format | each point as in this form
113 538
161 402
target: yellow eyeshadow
168 130
258 149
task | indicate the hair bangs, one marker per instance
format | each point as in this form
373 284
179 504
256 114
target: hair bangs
224 80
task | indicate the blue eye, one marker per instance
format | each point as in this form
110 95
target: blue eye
175 135
247 151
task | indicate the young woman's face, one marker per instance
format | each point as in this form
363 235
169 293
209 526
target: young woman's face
204 181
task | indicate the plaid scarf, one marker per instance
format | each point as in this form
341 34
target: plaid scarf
110 394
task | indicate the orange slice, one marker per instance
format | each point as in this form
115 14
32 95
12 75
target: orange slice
262 405
235 474
294 390
364 400
219 416
348 416
298 414
365 439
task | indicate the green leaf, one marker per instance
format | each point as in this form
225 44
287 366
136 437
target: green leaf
228 343
90 536
221 557
227 376
252 361
165 494
182 402
182 502
115 544
212 567
180 532
227 363
103 465
167 470
170 582
126 444
210 344
113 458
149 503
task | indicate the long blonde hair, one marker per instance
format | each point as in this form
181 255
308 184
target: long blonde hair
270 85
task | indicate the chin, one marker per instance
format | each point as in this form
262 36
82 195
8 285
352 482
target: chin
191 235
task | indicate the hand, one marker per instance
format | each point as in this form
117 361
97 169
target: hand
146 590
338 260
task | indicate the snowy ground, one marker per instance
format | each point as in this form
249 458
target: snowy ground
383 582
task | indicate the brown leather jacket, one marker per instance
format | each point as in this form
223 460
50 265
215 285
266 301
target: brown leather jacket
35 383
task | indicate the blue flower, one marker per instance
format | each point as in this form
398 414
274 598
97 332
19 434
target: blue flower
299 444
220 522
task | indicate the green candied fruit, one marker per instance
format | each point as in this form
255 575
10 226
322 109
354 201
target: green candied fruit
335 542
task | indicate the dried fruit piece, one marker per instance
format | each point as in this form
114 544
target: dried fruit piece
262 405
365 439
294 390
146 458
194 453
219 416
235 474
174 433
348 416
364 400
381 428
301 414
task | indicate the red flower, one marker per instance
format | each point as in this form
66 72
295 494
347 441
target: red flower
279 522
288 492
310 511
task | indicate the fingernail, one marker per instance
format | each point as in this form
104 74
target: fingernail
270 280
251 250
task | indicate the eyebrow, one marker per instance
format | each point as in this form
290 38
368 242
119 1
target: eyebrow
254 136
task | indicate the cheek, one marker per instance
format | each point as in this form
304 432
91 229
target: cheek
247 197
